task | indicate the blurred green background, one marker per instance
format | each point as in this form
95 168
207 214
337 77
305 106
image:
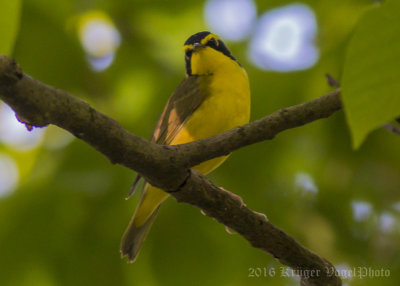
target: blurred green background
62 207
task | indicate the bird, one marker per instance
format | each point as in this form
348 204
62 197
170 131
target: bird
213 97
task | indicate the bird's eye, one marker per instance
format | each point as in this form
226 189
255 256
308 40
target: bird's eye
188 54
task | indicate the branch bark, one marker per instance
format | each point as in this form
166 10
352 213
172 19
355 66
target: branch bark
266 128
167 167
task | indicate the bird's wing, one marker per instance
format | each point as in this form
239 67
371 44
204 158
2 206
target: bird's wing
188 96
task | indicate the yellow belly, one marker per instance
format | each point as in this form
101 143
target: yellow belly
227 107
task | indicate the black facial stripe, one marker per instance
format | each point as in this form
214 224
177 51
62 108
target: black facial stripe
212 43
188 57
223 49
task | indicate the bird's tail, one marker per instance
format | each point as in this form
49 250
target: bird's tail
134 237
141 221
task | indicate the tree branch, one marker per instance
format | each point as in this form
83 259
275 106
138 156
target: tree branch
38 104
230 210
392 128
166 167
266 128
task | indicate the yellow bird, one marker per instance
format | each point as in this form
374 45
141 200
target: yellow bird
213 98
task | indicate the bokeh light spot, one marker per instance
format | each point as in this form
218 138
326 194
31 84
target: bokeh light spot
305 183
387 222
231 19
15 134
99 38
284 39
8 175
361 210
99 64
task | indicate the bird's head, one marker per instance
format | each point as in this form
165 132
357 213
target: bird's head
205 53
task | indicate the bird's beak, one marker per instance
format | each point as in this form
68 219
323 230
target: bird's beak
198 46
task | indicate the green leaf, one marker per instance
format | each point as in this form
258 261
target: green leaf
371 76
9 23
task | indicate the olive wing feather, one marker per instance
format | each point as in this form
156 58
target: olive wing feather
188 96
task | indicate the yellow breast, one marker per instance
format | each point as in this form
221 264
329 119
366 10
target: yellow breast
227 106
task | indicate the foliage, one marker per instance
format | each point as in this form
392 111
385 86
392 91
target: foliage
371 72
9 20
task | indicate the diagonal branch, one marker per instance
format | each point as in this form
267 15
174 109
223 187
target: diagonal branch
230 210
166 167
266 128
38 104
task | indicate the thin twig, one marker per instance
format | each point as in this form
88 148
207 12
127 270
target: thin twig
332 81
392 128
